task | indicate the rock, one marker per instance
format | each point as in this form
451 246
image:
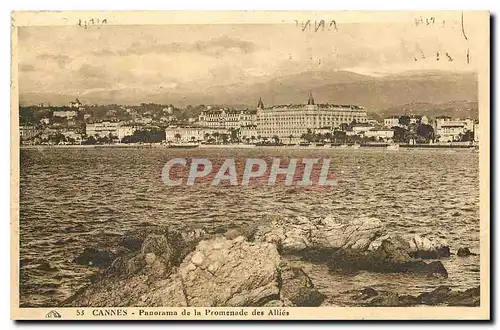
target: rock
388 299
219 272
298 235
274 303
386 259
150 258
436 296
435 268
425 248
298 288
223 272
470 297
93 257
464 252
368 293
46 267
132 243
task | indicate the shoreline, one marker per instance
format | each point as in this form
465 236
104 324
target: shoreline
403 147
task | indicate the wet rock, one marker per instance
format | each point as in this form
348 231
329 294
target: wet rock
464 252
368 293
470 297
46 267
436 296
94 257
132 243
387 299
442 295
435 268
299 234
425 248
220 230
386 259
297 287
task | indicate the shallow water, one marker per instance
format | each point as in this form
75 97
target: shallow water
74 198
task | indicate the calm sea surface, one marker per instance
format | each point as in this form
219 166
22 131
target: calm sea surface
75 198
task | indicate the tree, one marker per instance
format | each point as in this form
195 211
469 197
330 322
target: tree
276 139
399 134
404 120
216 136
290 137
206 136
339 136
177 136
467 136
224 137
328 136
193 138
426 131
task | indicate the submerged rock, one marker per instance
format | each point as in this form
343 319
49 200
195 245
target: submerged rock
442 295
298 235
464 252
388 258
94 257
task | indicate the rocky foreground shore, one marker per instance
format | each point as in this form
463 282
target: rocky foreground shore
248 266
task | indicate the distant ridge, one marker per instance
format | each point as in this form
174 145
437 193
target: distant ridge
339 87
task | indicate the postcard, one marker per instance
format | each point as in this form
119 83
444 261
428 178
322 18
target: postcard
250 165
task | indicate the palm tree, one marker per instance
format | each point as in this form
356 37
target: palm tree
328 136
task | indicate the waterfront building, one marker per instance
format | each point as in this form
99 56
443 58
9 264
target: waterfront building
107 128
193 134
28 132
379 134
391 121
297 119
449 130
226 118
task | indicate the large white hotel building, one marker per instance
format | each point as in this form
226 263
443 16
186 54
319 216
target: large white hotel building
285 120
282 121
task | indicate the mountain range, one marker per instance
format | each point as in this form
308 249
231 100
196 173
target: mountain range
387 94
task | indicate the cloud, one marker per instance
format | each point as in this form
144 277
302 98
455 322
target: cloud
213 47
61 60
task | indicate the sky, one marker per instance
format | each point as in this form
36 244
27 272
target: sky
72 61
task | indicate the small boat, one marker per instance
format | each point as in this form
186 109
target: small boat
187 145
393 147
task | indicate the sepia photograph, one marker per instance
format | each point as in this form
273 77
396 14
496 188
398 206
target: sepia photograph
242 165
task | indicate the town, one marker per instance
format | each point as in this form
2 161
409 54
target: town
305 124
